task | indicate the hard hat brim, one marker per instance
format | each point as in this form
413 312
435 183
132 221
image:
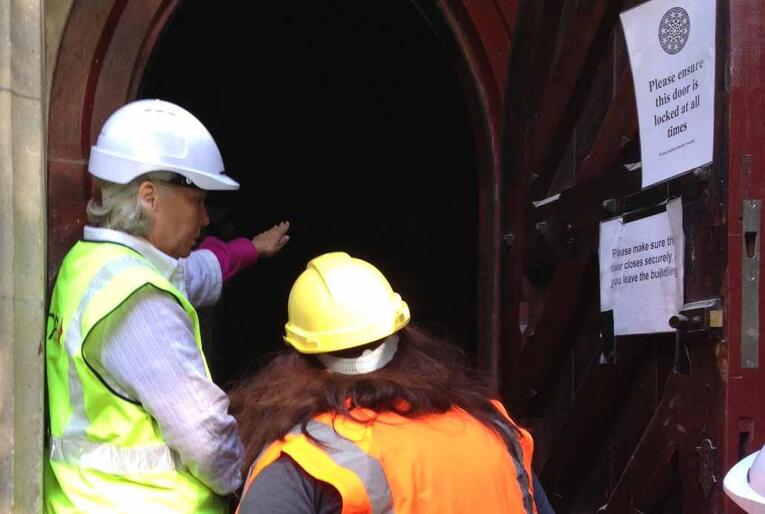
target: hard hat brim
736 486
210 182
122 170
312 343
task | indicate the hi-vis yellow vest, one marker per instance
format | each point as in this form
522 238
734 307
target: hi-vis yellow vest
106 453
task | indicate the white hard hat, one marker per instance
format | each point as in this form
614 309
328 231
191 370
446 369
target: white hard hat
736 485
154 135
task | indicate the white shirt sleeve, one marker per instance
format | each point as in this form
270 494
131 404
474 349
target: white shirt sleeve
203 277
146 351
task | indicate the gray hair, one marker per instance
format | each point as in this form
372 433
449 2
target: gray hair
120 208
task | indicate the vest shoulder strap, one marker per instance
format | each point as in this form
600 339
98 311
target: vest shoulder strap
121 271
358 477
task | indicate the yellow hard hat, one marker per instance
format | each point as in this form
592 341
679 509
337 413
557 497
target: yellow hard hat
340 302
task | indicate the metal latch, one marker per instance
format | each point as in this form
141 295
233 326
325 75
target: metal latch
694 317
699 316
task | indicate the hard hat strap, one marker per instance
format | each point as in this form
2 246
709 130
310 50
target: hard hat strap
370 360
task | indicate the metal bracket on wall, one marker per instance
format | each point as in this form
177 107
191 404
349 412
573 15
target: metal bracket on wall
750 286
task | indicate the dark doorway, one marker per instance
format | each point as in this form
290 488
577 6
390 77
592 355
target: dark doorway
347 119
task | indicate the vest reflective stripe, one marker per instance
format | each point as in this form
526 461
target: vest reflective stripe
106 453
348 455
112 459
522 475
521 458
78 422
405 465
358 477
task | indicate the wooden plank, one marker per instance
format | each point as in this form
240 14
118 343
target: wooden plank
594 108
620 122
689 415
567 370
653 453
576 216
561 119
559 91
587 425
547 26
603 84
639 406
663 491
513 195
508 9
546 341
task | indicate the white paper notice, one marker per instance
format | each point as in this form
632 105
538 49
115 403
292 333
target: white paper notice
641 270
671 45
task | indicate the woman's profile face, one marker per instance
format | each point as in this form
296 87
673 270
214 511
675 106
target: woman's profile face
178 217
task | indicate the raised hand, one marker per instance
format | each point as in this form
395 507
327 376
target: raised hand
271 241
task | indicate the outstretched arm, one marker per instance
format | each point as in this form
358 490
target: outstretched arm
215 262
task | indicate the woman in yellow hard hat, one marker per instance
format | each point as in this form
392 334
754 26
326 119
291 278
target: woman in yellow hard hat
369 414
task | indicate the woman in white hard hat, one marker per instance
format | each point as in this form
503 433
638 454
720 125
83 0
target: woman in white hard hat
136 423
369 414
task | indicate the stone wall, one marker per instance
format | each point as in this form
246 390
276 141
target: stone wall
22 253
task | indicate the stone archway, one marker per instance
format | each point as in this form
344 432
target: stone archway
103 52
100 49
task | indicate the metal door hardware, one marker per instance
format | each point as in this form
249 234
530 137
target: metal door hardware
750 285
694 317
698 316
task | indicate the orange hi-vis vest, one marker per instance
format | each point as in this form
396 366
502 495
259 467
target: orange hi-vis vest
439 463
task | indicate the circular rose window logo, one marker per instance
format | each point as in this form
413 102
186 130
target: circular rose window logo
674 29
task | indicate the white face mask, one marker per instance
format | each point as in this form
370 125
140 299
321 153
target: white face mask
370 360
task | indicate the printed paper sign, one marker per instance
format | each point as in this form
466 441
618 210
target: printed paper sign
641 270
671 45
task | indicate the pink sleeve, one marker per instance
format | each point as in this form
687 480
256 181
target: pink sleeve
233 256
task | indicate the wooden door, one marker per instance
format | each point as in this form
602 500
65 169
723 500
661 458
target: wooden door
631 424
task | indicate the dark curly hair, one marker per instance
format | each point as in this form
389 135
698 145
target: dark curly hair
427 375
